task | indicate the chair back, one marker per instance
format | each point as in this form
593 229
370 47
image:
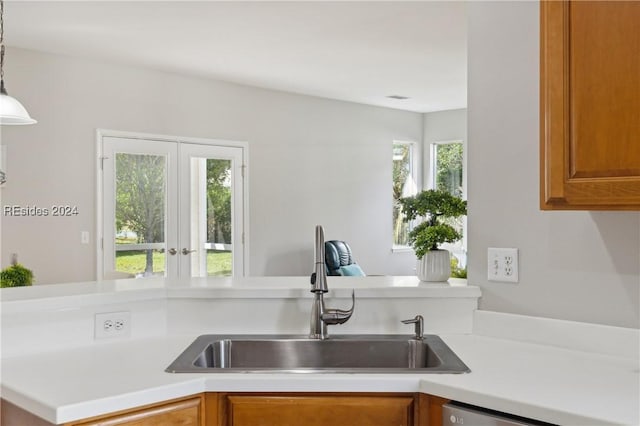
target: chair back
339 259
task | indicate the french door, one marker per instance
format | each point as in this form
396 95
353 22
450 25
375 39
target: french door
211 211
171 208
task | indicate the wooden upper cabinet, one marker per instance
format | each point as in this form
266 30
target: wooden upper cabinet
590 105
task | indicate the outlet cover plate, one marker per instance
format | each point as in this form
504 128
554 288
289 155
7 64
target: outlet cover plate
112 324
502 264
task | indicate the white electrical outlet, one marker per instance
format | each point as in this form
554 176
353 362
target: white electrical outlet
112 324
502 264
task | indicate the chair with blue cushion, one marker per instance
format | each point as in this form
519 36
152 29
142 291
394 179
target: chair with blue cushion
339 260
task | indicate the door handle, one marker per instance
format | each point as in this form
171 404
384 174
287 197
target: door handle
172 251
186 252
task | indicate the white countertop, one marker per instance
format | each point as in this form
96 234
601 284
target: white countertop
556 385
543 382
247 287
556 371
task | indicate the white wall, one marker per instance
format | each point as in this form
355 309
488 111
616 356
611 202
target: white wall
312 161
573 265
581 266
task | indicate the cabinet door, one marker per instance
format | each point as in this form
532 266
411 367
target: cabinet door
320 410
185 412
429 410
590 105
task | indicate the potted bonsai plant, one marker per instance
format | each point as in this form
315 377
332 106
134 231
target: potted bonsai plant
15 275
435 207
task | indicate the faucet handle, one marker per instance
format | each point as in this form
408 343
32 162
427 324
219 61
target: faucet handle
419 326
339 316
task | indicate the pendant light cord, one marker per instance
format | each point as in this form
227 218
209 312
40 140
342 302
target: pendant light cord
3 176
2 89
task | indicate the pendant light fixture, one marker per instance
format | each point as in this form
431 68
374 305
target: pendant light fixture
11 111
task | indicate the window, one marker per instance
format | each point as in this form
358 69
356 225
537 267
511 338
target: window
405 184
447 173
447 163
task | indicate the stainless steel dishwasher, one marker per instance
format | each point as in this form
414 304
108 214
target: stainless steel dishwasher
458 414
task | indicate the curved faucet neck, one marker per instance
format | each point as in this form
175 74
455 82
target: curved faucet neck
322 316
319 276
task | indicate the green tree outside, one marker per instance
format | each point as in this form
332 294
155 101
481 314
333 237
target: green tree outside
140 199
219 201
140 208
449 168
401 171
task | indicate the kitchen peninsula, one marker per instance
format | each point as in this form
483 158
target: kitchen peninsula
54 368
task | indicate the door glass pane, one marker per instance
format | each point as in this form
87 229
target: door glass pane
211 212
140 214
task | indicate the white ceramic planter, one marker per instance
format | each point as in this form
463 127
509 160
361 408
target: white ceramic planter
435 266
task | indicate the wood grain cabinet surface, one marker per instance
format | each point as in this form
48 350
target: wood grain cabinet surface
264 409
182 412
590 105
347 409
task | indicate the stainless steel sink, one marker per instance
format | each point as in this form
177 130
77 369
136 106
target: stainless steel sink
299 354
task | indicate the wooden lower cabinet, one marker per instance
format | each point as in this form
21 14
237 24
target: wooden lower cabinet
265 409
311 409
180 412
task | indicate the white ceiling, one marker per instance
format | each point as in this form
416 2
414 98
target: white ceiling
354 51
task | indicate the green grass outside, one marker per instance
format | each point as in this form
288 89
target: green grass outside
134 261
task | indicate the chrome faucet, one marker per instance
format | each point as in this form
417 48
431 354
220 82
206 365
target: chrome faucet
320 315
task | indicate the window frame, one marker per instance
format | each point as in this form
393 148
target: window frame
430 179
416 173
